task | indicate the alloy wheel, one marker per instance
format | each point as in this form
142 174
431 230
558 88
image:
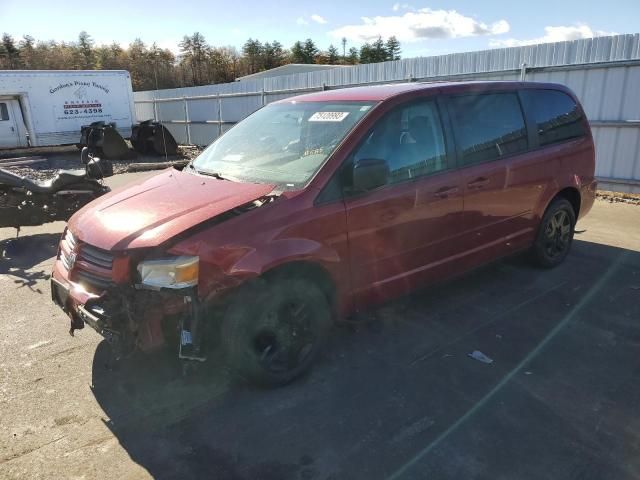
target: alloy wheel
285 337
557 234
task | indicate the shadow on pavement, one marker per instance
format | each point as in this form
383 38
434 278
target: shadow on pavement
19 256
399 397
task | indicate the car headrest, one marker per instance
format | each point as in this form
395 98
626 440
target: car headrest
420 130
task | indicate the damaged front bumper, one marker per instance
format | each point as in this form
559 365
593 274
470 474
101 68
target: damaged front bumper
132 318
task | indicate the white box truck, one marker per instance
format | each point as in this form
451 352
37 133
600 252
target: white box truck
48 107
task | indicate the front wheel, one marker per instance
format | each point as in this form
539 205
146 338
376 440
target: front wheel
273 330
555 234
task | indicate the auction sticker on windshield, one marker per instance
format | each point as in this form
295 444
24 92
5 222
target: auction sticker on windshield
328 116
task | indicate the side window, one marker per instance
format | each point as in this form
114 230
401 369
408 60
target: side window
488 126
4 112
555 114
410 139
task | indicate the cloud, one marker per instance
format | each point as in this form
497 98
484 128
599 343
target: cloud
420 24
318 19
400 6
301 21
554 34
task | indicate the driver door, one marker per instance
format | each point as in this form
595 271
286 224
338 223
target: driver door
9 128
402 234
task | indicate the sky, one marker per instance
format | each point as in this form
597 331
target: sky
424 28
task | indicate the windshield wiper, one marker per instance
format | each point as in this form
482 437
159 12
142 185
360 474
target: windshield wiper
207 173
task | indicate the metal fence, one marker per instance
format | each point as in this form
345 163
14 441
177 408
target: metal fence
604 72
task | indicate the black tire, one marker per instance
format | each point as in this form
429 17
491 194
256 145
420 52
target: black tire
273 330
555 234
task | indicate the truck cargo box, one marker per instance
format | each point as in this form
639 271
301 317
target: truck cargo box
48 107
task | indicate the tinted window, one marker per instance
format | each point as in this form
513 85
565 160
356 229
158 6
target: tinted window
410 139
488 126
4 113
556 115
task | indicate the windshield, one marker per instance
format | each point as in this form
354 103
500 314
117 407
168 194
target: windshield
283 143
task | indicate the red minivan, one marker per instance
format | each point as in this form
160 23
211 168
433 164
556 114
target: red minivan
320 205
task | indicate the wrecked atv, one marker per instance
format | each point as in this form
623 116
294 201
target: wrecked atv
26 202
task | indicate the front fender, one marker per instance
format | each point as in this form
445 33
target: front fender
233 266
279 252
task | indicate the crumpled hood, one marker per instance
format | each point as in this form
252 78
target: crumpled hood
148 213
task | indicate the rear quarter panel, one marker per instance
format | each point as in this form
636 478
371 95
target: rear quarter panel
574 164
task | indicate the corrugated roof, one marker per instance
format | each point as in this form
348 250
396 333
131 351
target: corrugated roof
289 69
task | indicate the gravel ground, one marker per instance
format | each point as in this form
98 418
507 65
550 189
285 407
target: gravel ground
395 397
68 157
617 197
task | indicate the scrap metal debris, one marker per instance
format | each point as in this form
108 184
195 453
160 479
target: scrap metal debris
481 357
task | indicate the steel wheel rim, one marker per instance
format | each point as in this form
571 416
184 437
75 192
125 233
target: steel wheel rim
557 234
285 338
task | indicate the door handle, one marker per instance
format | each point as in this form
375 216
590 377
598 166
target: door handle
445 192
13 129
478 182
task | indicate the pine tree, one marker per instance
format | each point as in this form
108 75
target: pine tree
10 52
366 55
332 55
309 51
353 57
253 51
274 55
297 53
193 53
393 48
86 56
378 51
27 52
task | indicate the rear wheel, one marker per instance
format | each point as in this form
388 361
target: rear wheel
273 331
555 234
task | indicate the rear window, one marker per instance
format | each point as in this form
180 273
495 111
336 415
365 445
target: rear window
555 114
488 126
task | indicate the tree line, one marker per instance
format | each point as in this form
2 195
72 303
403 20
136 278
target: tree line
197 63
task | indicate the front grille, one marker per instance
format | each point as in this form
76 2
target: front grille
88 265
96 256
91 280
93 267
67 247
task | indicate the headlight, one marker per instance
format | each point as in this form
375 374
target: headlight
177 272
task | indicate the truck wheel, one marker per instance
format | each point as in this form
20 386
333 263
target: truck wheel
273 331
555 234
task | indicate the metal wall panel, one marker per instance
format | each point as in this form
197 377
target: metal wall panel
604 73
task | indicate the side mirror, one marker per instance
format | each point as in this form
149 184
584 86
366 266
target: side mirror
84 155
370 173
